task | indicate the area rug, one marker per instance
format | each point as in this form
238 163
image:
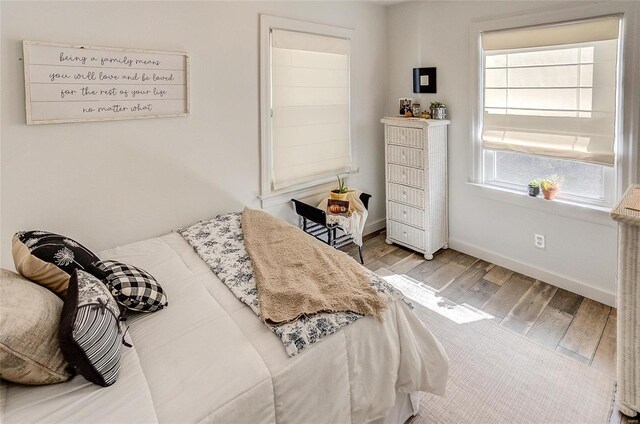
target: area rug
497 376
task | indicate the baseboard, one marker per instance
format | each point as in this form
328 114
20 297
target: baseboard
561 281
374 226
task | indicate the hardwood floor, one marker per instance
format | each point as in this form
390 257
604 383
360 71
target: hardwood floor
580 328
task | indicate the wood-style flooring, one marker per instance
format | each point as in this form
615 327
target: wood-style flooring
575 326
580 328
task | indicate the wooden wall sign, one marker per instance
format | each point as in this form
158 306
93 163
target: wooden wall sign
72 83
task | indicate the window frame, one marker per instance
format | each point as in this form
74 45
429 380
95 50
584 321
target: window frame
268 195
489 171
624 170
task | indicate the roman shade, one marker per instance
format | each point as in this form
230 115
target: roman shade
552 35
310 127
551 90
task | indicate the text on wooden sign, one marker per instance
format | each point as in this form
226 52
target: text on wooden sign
67 83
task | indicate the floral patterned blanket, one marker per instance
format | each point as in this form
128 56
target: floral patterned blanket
220 243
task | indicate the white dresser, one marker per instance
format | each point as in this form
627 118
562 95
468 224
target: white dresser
416 180
628 302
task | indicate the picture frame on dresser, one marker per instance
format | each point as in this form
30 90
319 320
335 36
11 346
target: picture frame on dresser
416 183
404 105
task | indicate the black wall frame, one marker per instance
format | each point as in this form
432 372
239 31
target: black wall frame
424 80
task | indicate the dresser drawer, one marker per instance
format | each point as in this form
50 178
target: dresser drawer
406 234
405 175
406 214
405 156
405 136
407 195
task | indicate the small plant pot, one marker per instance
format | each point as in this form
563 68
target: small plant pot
534 191
550 193
439 113
335 195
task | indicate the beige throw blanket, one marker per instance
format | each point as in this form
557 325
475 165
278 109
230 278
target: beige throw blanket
296 274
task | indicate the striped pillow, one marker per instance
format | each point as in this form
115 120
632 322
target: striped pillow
90 330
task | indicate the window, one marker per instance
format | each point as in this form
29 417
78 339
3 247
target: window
549 107
306 135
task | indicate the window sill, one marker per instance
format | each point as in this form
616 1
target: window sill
310 189
561 207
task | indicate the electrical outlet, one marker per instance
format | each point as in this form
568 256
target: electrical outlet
538 241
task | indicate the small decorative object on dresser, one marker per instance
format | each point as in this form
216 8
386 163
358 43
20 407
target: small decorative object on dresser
438 110
405 105
416 174
416 110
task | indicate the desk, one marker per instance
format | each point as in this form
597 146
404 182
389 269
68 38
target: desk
314 221
352 225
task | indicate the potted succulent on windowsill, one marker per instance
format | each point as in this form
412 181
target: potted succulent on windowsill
341 192
534 188
550 186
438 110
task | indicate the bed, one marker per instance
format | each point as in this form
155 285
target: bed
208 358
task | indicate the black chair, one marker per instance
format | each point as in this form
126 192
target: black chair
314 222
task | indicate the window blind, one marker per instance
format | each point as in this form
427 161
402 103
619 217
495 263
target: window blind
551 90
310 107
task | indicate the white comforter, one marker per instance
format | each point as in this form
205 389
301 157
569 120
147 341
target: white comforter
208 358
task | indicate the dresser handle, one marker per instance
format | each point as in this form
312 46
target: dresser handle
404 194
404 213
405 234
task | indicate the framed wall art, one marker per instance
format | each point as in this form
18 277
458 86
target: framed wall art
424 80
75 83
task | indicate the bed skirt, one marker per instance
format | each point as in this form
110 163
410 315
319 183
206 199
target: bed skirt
407 405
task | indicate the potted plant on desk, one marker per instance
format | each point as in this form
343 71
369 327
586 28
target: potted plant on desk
341 192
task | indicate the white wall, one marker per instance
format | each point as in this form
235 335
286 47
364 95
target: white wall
109 183
581 249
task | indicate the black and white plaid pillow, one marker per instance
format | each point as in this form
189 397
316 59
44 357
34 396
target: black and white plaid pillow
132 287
